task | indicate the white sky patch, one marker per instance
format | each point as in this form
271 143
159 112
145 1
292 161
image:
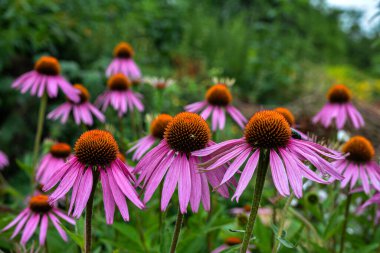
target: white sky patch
369 8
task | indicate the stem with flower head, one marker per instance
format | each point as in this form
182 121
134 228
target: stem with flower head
260 180
345 222
177 231
89 206
40 125
276 246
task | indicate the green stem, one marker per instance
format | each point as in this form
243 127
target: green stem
177 231
345 222
40 126
260 180
282 223
89 206
307 224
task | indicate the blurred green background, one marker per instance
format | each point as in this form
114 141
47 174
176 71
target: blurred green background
281 53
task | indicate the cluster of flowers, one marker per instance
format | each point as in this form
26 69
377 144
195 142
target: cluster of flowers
179 152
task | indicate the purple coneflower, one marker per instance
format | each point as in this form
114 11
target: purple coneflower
95 153
50 163
82 110
228 243
3 160
339 107
157 129
120 96
172 159
267 141
45 78
185 133
269 130
123 62
37 213
218 100
359 165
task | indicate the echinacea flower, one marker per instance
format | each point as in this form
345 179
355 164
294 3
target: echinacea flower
120 96
159 83
82 110
358 165
50 163
39 212
95 153
374 200
288 115
3 160
269 131
172 159
123 62
339 107
228 243
218 101
157 129
46 77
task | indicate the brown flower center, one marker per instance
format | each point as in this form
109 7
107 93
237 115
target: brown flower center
60 150
158 125
267 129
40 204
288 115
119 82
339 94
232 240
187 132
121 157
247 208
219 94
84 94
123 50
96 148
360 149
48 65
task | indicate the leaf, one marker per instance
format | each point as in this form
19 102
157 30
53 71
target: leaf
237 230
286 243
78 239
25 167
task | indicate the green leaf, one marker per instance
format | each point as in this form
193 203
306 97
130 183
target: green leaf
286 243
78 239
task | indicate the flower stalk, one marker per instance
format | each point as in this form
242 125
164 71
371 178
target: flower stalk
89 207
276 245
177 231
40 125
260 180
345 222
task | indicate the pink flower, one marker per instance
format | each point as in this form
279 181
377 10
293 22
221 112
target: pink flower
82 110
228 243
157 129
172 159
120 96
45 78
3 160
95 155
51 162
339 108
218 100
374 200
123 62
269 131
39 212
358 165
